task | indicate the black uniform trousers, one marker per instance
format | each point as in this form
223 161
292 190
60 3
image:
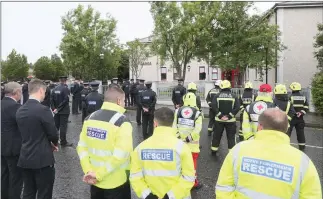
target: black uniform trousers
127 99
38 182
139 114
84 115
61 121
121 192
75 105
299 125
80 105
230 129
147 124
133 99
241 138
11 178
211 122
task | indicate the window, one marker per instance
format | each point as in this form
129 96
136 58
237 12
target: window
202 73
215 74
163 73
175 74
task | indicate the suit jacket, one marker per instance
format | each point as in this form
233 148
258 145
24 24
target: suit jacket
10 134
37 127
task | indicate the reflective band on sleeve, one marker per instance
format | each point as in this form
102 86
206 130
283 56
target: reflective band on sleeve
115 118
235 158
306 107
126 164
302 170
287 108
209 129
254 194
298 105
139 174
83 154
178 160
225 188
171 195
107 165
82 144
120 154
161 173
303 112
189 178
145 193
100 152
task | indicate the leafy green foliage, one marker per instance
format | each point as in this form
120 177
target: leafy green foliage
86 37
49 69
15 67
138 52
317 82
123 70
317 91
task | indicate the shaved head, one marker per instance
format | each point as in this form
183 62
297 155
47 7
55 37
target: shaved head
114 95
274 119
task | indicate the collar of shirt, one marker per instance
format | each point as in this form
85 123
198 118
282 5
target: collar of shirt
113 107
11 98
34 99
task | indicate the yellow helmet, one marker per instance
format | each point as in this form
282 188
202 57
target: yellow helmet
225 84
295 86
280 89
248 85
189 99
192 86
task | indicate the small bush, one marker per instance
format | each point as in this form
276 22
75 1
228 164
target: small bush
317 91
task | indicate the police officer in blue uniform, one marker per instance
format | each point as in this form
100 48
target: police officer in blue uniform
147 101
94 100
140 88
61 108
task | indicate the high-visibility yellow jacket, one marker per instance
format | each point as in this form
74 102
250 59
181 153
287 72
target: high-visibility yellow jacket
189 128
161 165
105 145
268 167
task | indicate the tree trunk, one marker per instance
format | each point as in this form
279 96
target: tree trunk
184 72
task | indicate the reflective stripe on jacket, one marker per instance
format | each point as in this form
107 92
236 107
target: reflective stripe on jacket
161 165
105 145
267 168
189 127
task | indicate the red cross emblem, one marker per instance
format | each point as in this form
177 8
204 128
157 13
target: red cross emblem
260 107
187 112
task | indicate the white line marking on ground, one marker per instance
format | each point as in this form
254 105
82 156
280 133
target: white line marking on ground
318 147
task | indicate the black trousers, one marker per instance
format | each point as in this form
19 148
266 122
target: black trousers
38 182
121 192
133 99
11 178
211 121
127 99
240 129
83 115
75 105
139 113
299 125
80 105
230 128
61 121
147 124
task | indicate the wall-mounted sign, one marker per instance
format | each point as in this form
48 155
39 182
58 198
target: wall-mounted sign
146 63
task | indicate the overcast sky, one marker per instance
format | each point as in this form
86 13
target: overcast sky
34 28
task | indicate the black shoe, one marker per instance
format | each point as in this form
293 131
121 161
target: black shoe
66 144
198 186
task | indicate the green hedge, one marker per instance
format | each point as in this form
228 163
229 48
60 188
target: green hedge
317 91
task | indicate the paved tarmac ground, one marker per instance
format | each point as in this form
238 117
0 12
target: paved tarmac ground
69 185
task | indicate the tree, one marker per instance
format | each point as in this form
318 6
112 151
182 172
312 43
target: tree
317 81
123 70
15 67
44 69
175 33
58 66
86 36
138 52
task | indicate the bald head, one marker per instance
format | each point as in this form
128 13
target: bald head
115 95
274 119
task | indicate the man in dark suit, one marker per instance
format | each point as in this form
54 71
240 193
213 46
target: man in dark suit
11 176
39 140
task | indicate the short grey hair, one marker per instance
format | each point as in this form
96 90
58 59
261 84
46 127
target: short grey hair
274 119
11 88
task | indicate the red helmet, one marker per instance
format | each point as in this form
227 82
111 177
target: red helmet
265 88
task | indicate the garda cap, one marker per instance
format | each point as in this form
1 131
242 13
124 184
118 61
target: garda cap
148 83
94 84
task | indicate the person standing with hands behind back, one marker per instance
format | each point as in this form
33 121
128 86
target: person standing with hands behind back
39 140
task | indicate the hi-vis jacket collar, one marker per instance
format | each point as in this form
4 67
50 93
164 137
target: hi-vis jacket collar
264 98
272 136
113 107
164 130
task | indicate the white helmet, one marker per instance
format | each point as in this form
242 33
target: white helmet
217 82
